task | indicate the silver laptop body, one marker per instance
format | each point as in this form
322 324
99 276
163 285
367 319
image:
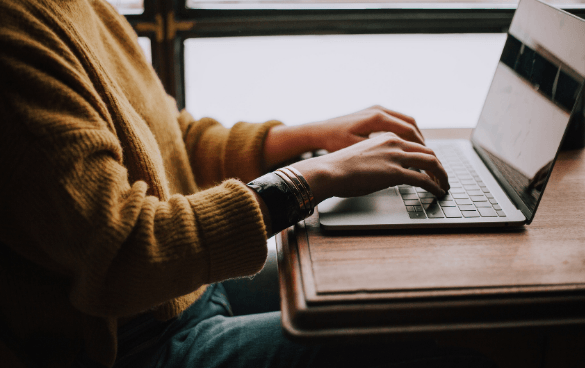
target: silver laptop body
503 169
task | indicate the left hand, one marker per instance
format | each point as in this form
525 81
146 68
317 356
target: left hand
286 142
344 131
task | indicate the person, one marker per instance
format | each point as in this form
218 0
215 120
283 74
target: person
121 215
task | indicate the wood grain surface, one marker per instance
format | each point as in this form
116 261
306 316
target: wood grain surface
549 253
418 283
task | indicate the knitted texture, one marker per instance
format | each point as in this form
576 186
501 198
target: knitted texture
101 216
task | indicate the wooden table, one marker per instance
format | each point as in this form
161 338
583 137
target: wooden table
402 284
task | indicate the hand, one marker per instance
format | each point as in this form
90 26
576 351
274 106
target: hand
371 165
286 142
344 131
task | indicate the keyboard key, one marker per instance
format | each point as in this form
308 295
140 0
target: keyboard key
467 207
460 195
485 190
463 201
497 207
455 185
410 208
470 213
475 193
434 211
451 212
471 187
489 195
501 213
482 204
409 196
406 190
487 212
456 190
417 215
481 183
478 198
411 202
421 190
447 203
418 208
426 195
467 182
427 200
493 200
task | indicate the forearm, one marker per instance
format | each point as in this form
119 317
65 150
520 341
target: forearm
284 143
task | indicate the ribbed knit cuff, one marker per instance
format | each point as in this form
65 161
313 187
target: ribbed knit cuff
231 225
244 157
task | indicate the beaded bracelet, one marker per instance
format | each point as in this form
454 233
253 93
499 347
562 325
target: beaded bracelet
287 196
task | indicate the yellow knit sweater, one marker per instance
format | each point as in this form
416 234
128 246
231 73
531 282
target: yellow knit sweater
101 217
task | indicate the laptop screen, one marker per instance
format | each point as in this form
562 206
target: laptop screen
537 86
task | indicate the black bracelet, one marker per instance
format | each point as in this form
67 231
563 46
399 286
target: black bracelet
280 199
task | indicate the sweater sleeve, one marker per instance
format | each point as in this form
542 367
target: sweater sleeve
226 153
69 205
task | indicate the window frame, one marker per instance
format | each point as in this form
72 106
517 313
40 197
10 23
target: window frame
168 53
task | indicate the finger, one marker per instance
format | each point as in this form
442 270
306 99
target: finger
416 151
422 180
430 164
409 119
415 147
418 148
409 146
377 134
401 128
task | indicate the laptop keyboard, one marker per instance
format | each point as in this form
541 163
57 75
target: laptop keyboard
468 197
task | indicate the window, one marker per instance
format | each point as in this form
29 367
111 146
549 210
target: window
440 79
188 37
128 7
366 4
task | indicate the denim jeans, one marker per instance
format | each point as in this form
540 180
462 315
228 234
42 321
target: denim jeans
209 335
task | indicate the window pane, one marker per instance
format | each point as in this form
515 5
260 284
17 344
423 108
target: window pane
369 4
440 79
144 42
128 6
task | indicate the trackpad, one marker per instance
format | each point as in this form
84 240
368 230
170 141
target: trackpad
380 206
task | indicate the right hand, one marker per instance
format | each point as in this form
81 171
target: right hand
371 165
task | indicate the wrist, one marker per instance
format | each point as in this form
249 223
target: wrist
284 143
313 136
285 198
318 176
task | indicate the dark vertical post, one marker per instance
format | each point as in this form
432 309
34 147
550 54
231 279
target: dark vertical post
575 136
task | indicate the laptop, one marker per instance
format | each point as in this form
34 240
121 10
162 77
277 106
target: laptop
497 177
